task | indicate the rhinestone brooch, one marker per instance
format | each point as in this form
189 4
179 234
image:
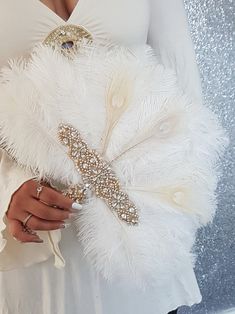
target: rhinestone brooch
97 175
67 38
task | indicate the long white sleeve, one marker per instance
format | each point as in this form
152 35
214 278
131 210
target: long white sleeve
11 178
13 254
170 37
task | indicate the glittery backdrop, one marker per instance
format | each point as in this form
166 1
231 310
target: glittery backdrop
212 25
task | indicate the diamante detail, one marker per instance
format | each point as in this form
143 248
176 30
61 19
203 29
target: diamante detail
97 174
76 193
67 38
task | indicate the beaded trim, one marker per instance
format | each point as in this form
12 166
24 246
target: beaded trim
77 193
97 174
67 38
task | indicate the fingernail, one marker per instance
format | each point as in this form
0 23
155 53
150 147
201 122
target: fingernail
65 225
38 240
76 206
72 215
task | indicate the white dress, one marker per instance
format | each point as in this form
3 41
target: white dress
34 285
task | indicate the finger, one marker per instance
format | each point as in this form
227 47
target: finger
16 230
53 198
43 211
36 223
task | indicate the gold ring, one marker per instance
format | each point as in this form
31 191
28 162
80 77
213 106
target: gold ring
39 190
24 222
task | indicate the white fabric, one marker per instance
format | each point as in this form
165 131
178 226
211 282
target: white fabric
75 288
170 37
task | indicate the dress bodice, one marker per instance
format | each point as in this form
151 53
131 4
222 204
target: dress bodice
26 22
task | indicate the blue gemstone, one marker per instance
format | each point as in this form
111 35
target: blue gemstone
67 45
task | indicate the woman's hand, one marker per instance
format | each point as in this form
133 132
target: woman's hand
48 212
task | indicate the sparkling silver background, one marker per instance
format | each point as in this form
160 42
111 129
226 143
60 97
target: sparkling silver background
212 28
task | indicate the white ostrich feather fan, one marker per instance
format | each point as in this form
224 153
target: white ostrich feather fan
163 148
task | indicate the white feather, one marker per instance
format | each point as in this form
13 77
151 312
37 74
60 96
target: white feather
163 148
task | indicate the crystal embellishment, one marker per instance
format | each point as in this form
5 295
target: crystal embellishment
76 193
97 174
67 38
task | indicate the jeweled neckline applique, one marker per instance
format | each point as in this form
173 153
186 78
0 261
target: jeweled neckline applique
67 38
